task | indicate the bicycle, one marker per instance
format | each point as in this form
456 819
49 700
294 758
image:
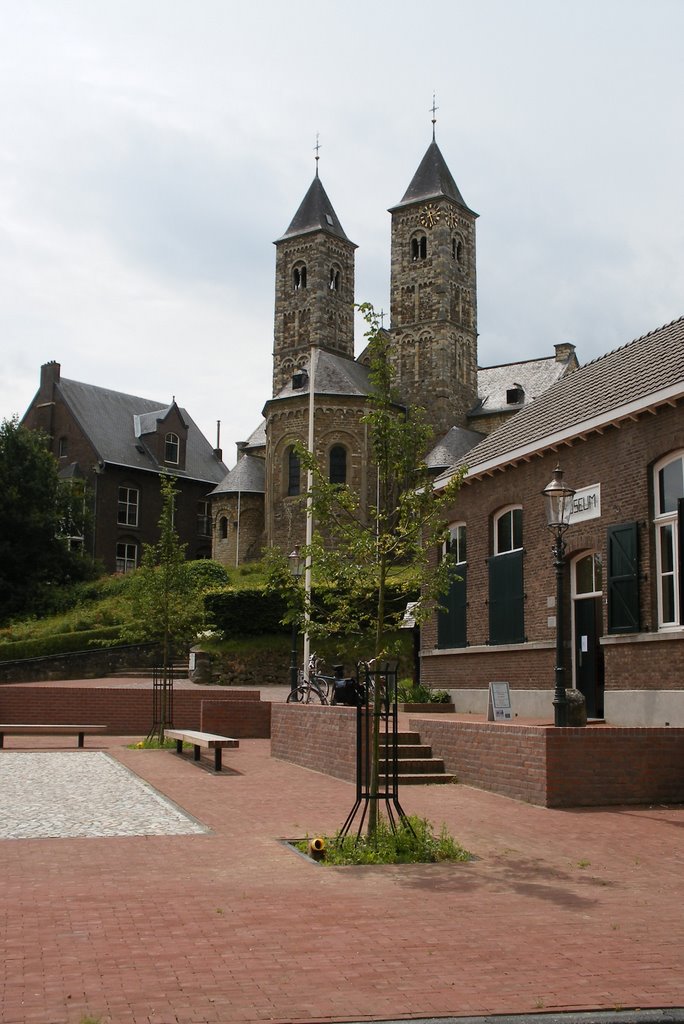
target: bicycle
315 687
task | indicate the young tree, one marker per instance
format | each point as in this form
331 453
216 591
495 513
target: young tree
166 600
362 556
34 504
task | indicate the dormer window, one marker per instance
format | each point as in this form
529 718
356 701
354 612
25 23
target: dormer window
171 448
299 379
334 279
299 277
515 395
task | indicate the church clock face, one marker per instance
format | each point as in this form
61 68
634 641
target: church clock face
429 215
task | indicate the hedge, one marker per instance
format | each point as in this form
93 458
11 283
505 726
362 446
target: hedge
58 643
253 611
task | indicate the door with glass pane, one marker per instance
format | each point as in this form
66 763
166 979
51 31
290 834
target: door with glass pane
587 623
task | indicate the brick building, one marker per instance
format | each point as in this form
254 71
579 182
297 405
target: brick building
118 445
433 331
616 426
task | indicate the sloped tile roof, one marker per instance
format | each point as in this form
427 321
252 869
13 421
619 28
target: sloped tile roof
335 375
452 447
534 376
249 474
628 380
257 439
108 419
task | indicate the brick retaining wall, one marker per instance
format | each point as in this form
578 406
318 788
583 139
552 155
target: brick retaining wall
125 711
241 719
590 767
321 738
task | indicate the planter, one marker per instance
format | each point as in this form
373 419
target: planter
430 709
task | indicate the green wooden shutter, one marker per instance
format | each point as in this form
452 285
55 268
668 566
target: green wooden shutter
451 623
506 599
623 579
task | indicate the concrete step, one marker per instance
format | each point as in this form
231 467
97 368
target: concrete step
426 780
402 738
416 765
409 750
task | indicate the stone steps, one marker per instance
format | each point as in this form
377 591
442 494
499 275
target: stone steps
415 764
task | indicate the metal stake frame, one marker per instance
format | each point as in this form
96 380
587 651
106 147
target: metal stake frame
378 711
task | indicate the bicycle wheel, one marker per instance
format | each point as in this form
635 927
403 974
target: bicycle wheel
306 695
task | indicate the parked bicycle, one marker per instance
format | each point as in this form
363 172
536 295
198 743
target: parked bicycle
315 687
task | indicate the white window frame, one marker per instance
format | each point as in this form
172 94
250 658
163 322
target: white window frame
129 506
508 510
664 521
172 440
126 563
456 531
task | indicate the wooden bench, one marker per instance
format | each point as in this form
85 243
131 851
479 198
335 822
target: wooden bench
199 740
50 730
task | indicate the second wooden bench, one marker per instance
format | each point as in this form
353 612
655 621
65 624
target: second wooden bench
199 740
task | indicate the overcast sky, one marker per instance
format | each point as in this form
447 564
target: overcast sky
151 150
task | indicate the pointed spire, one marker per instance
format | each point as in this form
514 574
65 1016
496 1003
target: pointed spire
315 213
432 179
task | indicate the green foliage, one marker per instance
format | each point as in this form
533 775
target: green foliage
166 602
62 643
415 845
421 694
34 507
246 612
206 574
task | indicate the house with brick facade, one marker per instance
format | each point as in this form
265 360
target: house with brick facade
433 333
616 428
118 445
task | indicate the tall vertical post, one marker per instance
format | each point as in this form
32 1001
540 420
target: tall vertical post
560 703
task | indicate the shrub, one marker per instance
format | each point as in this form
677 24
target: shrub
412 843
57 643
206 574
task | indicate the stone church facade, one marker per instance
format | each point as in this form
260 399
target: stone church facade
433 333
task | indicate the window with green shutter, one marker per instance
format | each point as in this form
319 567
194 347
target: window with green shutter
623 579
506 599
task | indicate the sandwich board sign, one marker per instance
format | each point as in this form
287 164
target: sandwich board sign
499 704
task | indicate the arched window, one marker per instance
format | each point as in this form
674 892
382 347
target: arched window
299 277
171 448
506 593
508 531
419 247
223 528
293 472
457 250
334 279
668 485
338 464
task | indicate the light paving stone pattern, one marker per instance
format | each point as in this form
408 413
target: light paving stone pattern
53 795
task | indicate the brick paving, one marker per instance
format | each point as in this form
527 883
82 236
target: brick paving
560 910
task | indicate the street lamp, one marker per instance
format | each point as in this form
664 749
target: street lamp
295 562
558 508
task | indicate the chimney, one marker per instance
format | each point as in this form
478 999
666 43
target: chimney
564 351
49 376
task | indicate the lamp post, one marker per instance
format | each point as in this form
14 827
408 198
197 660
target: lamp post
558 508
295 562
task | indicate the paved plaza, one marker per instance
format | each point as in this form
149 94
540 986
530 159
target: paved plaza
208 918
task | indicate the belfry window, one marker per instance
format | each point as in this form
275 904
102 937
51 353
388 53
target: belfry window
419 247
299 277
457 250
334 279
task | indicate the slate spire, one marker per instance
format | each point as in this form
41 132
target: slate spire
432 180
315 213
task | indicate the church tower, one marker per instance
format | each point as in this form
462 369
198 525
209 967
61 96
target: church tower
433 303
314 300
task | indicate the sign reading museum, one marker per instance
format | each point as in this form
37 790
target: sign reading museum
586 504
